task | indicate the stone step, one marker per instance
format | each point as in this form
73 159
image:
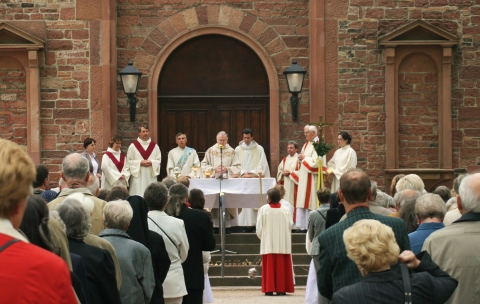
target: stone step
298 258
300 280
251 238
238 271
255 248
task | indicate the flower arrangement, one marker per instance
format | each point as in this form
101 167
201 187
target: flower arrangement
321 147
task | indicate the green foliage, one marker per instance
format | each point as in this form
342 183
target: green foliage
321 147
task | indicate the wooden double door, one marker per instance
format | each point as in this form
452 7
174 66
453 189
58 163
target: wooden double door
201 119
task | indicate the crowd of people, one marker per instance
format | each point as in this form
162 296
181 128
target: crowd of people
79 248
137 240
361 238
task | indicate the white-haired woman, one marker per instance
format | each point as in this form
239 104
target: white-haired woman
372 246
343 159
134 258
99 267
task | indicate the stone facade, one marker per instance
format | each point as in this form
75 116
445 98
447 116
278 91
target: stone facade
88 41
13 109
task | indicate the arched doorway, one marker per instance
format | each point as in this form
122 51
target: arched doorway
208 84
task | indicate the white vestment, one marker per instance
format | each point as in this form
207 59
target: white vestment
307 185
110 173
289 182
141 177
176 154
230 160
342 160
251 157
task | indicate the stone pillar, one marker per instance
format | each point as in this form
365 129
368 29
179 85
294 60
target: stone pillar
391 109
33 110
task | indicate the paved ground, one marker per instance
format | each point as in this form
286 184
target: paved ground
236 295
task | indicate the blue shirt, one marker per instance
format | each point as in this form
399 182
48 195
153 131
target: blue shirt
418 237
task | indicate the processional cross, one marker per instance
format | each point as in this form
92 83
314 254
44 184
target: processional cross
320 125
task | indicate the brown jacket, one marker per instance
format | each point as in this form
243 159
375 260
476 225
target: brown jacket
97 224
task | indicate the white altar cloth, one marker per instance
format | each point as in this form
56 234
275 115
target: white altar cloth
239 192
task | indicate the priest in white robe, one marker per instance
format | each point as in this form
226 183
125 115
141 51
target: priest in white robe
115 169
144 158
289 181
231 168
343 159
251 156
307 177
182 157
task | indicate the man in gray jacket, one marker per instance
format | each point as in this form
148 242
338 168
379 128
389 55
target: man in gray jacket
138 280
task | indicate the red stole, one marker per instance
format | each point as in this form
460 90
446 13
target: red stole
118 164
144 153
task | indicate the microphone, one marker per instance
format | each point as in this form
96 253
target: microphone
220 147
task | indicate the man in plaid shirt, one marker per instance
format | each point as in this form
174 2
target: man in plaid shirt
336 269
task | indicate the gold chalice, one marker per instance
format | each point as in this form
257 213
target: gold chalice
177 172
195 169
208 173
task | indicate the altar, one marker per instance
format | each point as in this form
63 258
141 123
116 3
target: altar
239 192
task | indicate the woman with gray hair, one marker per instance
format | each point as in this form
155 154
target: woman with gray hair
98 262
138 280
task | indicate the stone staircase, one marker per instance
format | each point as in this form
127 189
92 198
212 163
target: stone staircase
248 247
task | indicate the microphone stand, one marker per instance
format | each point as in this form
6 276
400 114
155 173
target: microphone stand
221 220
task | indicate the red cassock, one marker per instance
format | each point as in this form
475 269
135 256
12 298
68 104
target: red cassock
277 271
277 275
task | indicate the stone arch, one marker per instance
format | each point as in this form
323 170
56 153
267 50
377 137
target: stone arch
220 20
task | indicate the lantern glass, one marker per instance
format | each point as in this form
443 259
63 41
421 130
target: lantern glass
130 83
295 81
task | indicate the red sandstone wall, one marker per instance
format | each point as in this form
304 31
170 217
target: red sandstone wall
361 72
71 51
13 102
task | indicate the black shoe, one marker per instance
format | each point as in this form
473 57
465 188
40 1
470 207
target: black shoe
281 293
216 231
269 293
227 231
250 229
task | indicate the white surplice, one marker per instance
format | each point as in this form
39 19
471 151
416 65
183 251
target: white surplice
307 177
342 160
230 160
141 177
289 163
251 156
175 155
110 173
